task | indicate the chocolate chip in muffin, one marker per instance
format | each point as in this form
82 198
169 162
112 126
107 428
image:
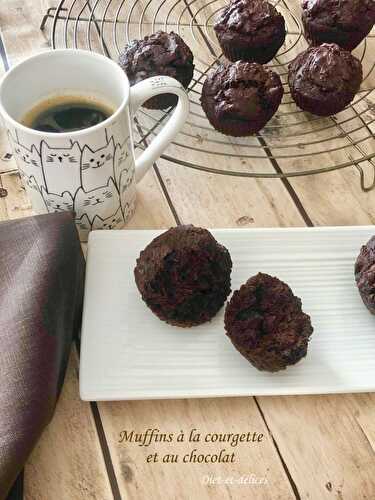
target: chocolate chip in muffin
240 98
324 80
158 54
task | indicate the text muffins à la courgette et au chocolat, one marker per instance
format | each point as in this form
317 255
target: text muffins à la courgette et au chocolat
242 95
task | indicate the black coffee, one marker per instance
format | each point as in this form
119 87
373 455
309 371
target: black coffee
66 114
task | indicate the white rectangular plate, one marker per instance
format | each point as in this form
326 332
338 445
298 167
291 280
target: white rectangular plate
128 353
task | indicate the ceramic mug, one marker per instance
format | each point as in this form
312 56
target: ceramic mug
92 172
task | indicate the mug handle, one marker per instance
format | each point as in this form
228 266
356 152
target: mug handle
142 91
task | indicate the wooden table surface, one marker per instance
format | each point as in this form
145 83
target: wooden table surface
315 447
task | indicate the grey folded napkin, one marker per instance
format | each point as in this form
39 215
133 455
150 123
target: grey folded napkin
41 280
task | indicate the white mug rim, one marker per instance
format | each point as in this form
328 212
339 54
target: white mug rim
73 134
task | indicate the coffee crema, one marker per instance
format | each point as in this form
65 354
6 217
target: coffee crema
66 113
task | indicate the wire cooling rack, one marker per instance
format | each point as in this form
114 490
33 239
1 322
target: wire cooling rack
292 144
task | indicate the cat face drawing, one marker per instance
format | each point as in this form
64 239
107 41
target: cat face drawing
102 202
28 160
58 203
61 168
27 157
111 222
97 166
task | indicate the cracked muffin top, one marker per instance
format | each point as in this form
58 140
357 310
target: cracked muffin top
345 22
249 17
242 91
183 275
325 70
158 54
324 80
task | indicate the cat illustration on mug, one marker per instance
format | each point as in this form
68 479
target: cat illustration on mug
56 202
29 160
81 179
110 222
97 166
61 167
103 202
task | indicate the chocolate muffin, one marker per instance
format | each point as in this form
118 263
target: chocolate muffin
324 80
345 22
184 276
251 30
364 271
158 54
266 324
240 98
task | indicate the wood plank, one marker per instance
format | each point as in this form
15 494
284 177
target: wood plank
3 207
19 23
185 481
363 405
327 442
211 200
17 203
67 462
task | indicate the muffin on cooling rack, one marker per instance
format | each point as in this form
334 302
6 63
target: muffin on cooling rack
266 324
364 271
240 98
345 22
324 80
183 276
158 54
250 30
